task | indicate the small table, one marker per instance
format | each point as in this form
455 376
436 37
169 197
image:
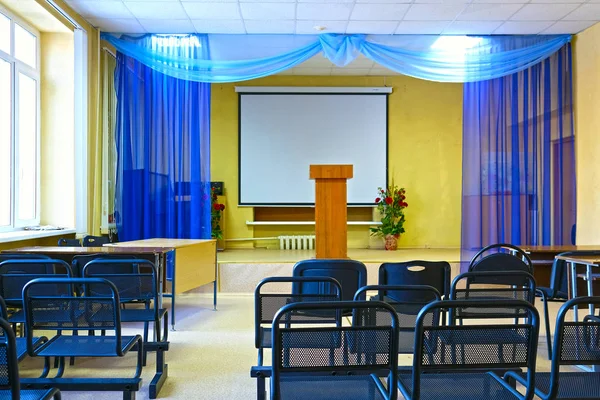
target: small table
194 264
589 262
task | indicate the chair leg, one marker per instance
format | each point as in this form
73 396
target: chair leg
128 395
547 322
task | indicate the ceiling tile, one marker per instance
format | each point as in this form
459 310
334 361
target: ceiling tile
372 27
386 1
560 1
382 72
219 26
268 11
586 12
503 1
212 10
312 71
350 71
117 25
433 12
444 1
472 27
264 1
568 27
308 27
421 27
488 12
379 12
522 27
167 25
270 26
156 10
205 1
543 12
326 1
333 12
102 9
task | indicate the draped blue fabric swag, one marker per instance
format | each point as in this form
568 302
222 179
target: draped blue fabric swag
242 57
519 158
163 147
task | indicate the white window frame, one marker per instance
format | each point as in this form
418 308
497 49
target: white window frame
19 67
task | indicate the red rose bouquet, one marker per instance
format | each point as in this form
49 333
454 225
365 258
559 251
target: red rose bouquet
391 203
215 216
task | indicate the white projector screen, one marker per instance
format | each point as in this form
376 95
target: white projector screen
282 134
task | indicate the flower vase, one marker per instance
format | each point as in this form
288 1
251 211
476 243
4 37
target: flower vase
391 242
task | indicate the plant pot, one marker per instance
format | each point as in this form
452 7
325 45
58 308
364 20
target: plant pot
391 242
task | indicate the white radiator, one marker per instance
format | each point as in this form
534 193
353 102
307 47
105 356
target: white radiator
297 242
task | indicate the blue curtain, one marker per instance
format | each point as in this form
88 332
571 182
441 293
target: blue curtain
519 157
163 147
439 58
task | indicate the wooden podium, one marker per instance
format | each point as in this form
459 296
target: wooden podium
331 211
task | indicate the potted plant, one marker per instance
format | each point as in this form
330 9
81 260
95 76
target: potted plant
391 203
215 216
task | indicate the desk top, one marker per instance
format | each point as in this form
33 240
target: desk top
560 249
160 243
586 260
88 250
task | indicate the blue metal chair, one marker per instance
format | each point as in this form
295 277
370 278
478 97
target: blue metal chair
20 256
409 301
575 343
429 273
304 289
502 257
21 342
69 242
79 262
49 312
348 369
10 387
351 274
454 349
95 241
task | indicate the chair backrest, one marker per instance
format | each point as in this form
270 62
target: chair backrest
486 346
135 279
430 273
476 287
22 256
69 312
342 350
79 262
267 303
351 274
502 257
9 364
559 282
14 274
95 241
69 242
414 298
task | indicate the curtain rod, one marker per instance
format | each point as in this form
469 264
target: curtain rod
109 51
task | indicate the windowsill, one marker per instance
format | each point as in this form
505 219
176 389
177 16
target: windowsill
15 236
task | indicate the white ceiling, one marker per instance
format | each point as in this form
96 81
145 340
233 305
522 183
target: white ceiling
482 17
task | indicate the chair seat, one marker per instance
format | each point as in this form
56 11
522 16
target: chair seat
84 346
42 394
329 388
571 385
22 346
551 294
449 386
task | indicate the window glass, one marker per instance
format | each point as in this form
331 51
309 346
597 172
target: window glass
5 142
4 33
25 46
27 169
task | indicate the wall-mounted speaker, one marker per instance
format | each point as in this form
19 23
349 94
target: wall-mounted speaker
217 187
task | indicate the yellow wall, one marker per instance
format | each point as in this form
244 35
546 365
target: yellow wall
587 128
425 156
57 130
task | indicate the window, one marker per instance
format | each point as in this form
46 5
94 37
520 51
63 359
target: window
19 124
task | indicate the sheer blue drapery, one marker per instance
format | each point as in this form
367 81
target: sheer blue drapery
519 158
453 59
163 146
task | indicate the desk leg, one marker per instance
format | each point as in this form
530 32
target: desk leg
215 283
158 260
573 270
173 296
590 286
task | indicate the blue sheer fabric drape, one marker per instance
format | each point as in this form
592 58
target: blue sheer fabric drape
519 157
242 57
163 147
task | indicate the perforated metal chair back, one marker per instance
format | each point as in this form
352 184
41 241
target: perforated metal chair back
351 274
9 365
306 357
14 275
135 279
69 242
69 312
475 286
79 262
501 257
95 241
429 273
414 298
453 348
22 256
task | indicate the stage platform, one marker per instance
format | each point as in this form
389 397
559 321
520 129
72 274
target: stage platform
240 270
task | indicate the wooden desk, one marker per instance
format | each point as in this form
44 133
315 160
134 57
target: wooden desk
194 264
589 262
